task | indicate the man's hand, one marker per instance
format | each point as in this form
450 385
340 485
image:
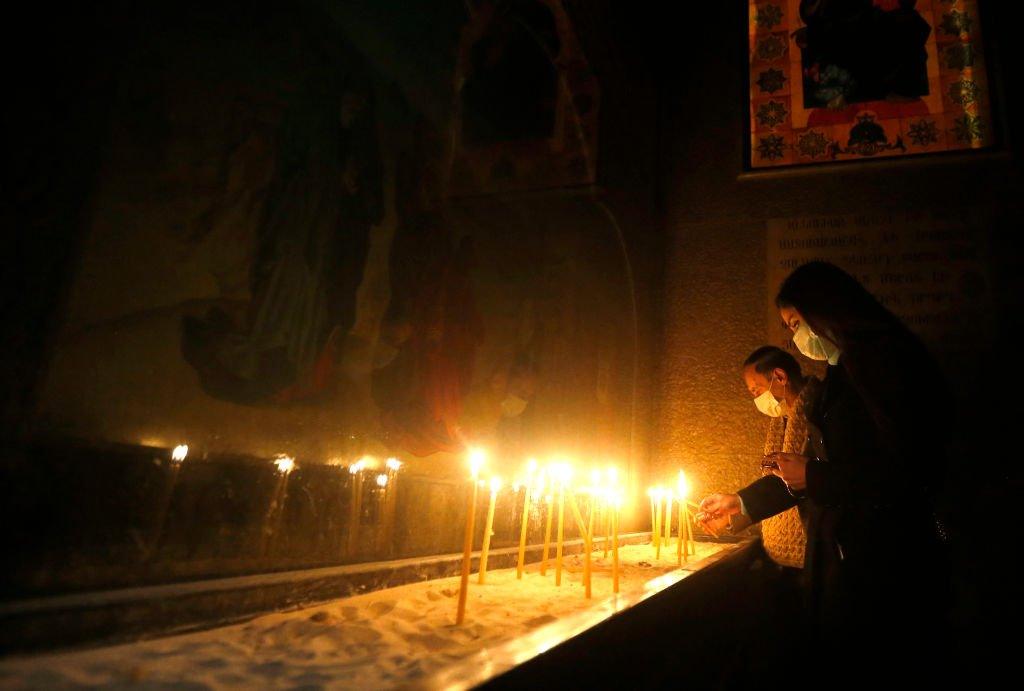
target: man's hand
715 510
792 468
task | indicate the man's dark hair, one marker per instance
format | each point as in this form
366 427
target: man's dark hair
767 358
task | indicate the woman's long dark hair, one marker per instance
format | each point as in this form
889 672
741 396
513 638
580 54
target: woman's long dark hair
899 382
836 305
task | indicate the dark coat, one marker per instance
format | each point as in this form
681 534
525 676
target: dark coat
875 568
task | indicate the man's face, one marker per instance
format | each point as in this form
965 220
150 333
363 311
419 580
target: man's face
758 383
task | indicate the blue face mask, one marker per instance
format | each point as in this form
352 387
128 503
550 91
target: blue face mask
814 346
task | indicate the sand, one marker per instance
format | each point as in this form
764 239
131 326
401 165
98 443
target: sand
385 639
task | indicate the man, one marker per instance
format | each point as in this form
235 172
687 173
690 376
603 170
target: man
781 391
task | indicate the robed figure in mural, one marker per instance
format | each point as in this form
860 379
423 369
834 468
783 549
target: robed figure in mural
310 249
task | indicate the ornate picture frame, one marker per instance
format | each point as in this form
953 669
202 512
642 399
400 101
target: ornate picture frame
842 80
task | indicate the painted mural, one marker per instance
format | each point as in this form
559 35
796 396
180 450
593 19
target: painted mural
842 80
297 248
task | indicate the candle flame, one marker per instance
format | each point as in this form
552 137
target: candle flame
356 467
284 464
382 480
477 458
495 484
179 453
684 486
562 472
531 466
393 464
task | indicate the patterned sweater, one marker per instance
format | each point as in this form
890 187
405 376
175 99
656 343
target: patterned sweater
783 534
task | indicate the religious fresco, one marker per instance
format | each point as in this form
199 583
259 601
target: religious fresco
303 264
845 80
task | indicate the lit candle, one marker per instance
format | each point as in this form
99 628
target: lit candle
617 504
489 528
531 468
476 461
587 570
680 551
685 534
563 473
658 496
355 505
550 501
178 455
390 504
275 511
668 518
606 521
654 519
585 534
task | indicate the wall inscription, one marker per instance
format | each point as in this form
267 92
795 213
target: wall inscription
930 268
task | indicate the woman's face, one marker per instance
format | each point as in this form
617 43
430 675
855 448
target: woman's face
791 318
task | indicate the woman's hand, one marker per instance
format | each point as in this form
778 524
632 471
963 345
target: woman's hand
791 467
715 510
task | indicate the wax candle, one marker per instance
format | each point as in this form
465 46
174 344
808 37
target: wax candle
606 517
275 511
668 518
476 461
683 489
585 534
658 497
589 538
488 528
390 505
561 536
653 531
680 550
528 488
563 473
355 505
178 455
550 501
615 543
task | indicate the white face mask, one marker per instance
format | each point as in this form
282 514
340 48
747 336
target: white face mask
513 406
815 347
767 403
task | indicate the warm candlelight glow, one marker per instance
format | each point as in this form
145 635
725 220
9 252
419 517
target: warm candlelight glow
683 487
477 458
284 464
495 484
393 464
356 467
179 453
561 472
382 480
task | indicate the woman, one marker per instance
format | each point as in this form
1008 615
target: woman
782 392
876 567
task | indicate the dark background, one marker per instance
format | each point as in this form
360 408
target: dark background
672 166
